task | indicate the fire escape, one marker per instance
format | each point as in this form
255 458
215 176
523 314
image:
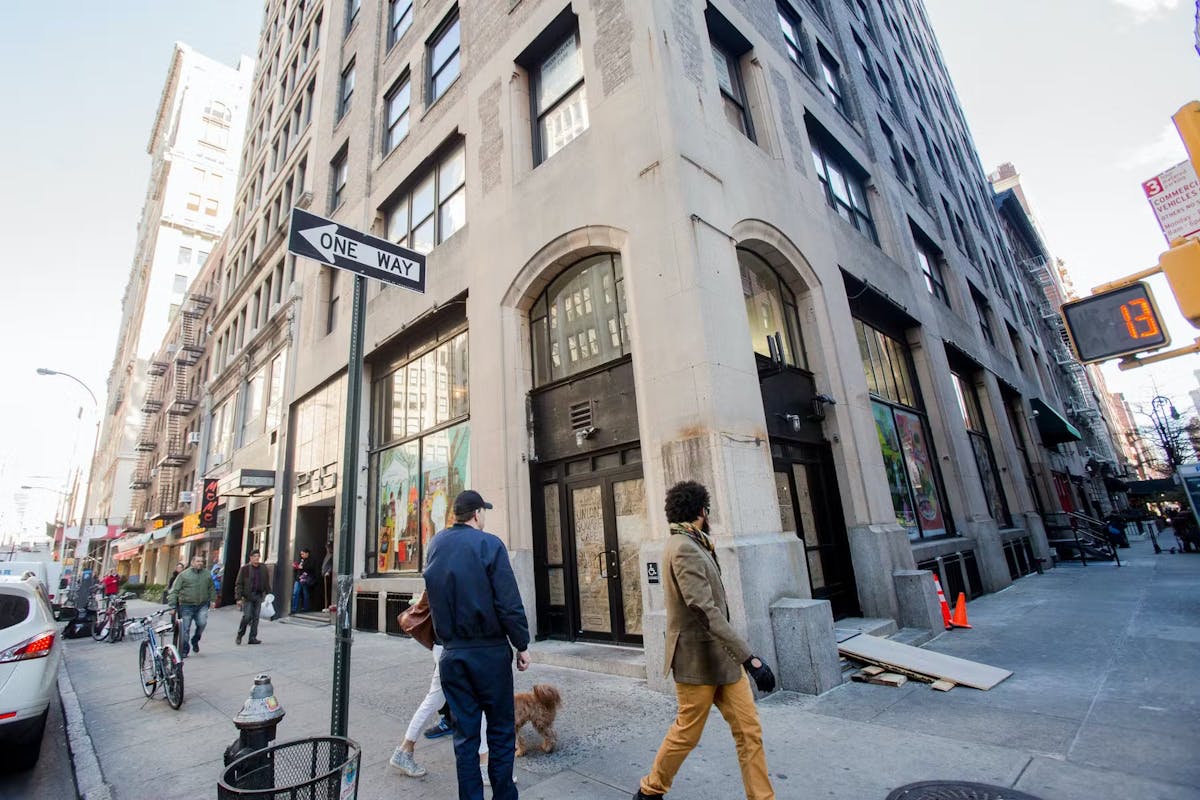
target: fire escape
146 445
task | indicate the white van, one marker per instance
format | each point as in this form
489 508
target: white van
46 572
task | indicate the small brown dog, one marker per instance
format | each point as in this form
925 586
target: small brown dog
538 708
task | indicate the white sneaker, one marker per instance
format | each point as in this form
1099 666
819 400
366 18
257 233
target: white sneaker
406 764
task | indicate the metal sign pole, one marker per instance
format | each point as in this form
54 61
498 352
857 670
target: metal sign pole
345 554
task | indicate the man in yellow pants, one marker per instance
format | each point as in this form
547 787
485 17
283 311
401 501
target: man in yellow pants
710 661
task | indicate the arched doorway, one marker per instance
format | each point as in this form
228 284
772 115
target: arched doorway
806 482
588 495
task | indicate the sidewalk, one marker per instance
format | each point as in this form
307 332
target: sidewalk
1102 704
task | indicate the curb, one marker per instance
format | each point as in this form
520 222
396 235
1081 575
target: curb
89 780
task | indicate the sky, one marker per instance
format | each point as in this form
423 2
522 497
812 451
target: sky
86 83
1077 94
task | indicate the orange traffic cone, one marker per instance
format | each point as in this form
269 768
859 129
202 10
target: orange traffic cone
959 620
942 600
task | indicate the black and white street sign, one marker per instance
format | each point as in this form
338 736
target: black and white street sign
334 244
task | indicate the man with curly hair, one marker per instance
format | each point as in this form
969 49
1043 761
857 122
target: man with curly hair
709 659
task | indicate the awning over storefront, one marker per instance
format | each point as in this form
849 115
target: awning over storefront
131 543
1053 427
128 555
246 482
1151 488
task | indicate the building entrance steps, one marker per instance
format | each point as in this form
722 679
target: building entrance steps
607 659
309 619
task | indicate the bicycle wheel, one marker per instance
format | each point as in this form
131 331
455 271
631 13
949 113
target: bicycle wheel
116 627
149 674
100 626
173 677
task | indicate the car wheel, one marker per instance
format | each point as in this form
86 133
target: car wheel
24 756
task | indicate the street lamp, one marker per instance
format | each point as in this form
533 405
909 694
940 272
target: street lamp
1159 415
87 489
62 547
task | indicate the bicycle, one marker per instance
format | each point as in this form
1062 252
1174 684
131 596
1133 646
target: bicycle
110 617
158 660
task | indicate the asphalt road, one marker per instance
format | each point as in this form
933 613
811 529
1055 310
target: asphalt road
52 777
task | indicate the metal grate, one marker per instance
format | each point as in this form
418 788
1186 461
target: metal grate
956 790
366 611
581 415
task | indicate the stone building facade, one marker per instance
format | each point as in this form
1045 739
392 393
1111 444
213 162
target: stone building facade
748 243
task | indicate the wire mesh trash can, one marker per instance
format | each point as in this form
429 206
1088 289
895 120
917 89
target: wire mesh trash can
317 768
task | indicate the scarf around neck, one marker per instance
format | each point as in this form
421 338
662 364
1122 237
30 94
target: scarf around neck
698 536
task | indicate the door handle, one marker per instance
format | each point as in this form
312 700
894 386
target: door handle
614 565
602 557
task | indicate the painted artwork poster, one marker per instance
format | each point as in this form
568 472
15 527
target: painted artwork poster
893 464
397 514
445 465
920 473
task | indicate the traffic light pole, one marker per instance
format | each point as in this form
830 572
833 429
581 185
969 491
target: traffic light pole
339 717
1133 362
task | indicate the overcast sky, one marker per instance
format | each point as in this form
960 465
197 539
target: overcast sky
1076 93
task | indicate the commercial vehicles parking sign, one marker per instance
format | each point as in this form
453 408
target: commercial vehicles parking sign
1175 197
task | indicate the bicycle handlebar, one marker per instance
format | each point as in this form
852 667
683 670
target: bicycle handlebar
149 617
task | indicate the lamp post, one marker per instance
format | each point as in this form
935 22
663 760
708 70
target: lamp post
87 489
61 494
1162 418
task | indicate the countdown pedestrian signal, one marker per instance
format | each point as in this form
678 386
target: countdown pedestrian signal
1117 323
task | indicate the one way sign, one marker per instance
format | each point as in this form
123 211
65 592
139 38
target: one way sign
330 243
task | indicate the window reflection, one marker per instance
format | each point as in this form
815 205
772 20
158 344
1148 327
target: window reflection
580 322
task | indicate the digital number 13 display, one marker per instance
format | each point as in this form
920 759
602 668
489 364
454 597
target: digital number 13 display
1139 319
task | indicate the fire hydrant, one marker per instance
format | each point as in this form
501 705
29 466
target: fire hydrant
256 724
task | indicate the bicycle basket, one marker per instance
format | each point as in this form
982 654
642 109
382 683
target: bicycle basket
136 630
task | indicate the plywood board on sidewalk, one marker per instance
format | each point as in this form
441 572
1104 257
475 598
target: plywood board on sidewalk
887 653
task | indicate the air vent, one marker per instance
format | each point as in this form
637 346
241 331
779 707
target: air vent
581 415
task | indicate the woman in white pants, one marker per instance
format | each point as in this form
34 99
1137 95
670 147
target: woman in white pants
402 759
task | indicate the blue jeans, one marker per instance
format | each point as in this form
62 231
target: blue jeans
478 681
300 596
188 615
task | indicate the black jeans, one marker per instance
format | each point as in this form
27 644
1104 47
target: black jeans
250 610
479 681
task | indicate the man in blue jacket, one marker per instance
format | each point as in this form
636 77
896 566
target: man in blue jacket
477 615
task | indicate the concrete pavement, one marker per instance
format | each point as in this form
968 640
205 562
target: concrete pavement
1101 705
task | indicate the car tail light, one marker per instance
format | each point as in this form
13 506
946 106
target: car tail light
37 647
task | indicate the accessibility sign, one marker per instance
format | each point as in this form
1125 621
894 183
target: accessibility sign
345 248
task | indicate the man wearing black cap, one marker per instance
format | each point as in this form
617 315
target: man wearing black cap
477 615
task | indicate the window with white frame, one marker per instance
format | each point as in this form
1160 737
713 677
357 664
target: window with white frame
733 91
559 97
434 208
396 104
443 58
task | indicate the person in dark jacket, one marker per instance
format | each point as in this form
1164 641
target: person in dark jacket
479 619
305 576
252 584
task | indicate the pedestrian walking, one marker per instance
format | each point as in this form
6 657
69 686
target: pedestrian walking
403 758
709 659
252 584
192 592
171 581
111 582
305 576
479 619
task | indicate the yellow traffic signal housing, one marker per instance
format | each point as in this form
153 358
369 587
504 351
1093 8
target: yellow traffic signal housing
1187 122
1181 265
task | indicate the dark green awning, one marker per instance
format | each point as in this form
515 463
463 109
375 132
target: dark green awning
1053 426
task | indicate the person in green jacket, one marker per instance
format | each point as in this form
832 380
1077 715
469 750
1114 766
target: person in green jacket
192 593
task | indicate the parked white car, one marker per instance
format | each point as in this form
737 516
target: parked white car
30 652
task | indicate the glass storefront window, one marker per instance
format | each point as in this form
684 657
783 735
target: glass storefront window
770 309
981 448
580 322
420 411
904 442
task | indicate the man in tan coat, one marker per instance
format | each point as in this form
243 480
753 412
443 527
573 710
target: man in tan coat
709 659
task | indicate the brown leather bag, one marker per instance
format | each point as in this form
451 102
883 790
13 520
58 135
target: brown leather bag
417 622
